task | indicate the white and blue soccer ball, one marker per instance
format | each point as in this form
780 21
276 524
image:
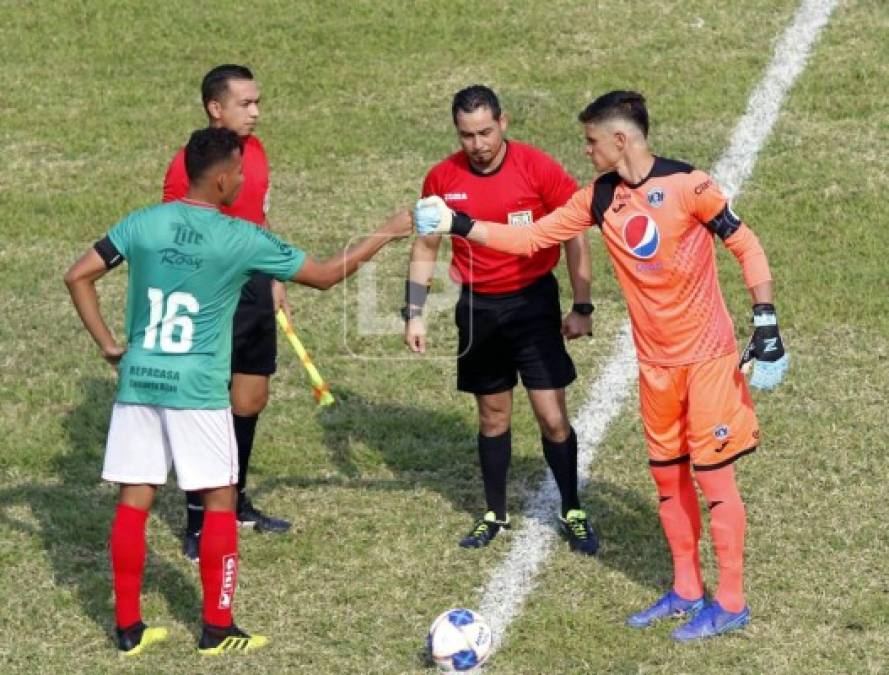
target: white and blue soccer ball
459 639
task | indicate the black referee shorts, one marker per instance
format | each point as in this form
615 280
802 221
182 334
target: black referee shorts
508 334
254 337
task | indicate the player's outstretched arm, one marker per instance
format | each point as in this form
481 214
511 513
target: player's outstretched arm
81 281
323 274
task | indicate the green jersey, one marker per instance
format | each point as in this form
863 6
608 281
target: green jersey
187 263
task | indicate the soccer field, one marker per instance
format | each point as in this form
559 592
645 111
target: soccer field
95 99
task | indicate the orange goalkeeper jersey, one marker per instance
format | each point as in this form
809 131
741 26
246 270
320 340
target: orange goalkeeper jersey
659 235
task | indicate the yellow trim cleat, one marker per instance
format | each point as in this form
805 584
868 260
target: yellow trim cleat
134 640
216 641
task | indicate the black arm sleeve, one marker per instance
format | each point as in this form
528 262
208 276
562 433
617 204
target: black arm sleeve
108 252
724 224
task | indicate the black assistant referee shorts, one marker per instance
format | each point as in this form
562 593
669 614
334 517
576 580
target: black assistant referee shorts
254 338
508 334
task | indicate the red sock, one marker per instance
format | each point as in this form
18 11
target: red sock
219 566
681 520
728 521
127 548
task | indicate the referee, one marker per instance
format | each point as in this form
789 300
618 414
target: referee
231 100
508 316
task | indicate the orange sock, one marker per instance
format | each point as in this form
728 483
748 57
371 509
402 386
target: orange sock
681 520
728 521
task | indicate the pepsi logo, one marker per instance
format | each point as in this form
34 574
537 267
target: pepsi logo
641 236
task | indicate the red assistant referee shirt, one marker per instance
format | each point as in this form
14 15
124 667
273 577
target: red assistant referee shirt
528 185
253 200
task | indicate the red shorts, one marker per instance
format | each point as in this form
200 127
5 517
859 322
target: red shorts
702 412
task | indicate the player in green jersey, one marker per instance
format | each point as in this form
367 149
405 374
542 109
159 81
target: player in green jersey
187 263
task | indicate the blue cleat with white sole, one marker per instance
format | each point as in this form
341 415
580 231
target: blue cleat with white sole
670 606
713 620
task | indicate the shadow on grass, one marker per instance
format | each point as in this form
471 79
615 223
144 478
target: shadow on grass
629 531
436 451
74 513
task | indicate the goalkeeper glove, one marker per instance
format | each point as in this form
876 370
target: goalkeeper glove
770 362
432 216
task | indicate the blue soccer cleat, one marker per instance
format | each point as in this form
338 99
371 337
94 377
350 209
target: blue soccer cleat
669 606
713 620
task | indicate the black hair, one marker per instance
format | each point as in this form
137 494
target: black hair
472 98
208 147
625 105
214 86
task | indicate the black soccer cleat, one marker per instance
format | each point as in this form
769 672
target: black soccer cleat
191 546
216 640
484 530
133 639
250 516
581 537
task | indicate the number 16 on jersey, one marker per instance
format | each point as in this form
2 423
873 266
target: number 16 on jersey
166 316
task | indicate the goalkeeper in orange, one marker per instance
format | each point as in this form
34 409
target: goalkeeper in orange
659 219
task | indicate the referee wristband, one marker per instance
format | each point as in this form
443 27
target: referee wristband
583 308
415 293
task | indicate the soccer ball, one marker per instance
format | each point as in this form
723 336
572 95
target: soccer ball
459 639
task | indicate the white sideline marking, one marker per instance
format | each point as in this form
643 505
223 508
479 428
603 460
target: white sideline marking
514 578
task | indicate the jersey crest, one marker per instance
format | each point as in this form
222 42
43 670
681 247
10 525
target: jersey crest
520 218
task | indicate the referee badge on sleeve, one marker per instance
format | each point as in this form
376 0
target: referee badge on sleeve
520 218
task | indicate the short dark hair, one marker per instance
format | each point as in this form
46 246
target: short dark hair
472 98
214 86
625 105
208 147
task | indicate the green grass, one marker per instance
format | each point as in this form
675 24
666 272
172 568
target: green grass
95 99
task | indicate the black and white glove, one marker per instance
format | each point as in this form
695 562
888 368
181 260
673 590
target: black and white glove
766 349
433 216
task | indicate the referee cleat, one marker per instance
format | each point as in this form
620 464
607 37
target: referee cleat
132 640
191 544
712 620
669 606
216 640
484 530
250 516
581 537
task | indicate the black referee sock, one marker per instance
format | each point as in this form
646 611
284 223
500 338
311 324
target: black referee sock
194 518
494 454
245 430
562 460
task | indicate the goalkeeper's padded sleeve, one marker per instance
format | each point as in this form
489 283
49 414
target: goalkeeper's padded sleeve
745 246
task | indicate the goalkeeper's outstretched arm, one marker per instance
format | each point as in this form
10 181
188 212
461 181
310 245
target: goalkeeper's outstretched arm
432 216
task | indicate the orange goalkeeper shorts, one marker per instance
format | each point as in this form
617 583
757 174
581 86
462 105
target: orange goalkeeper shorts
700 412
